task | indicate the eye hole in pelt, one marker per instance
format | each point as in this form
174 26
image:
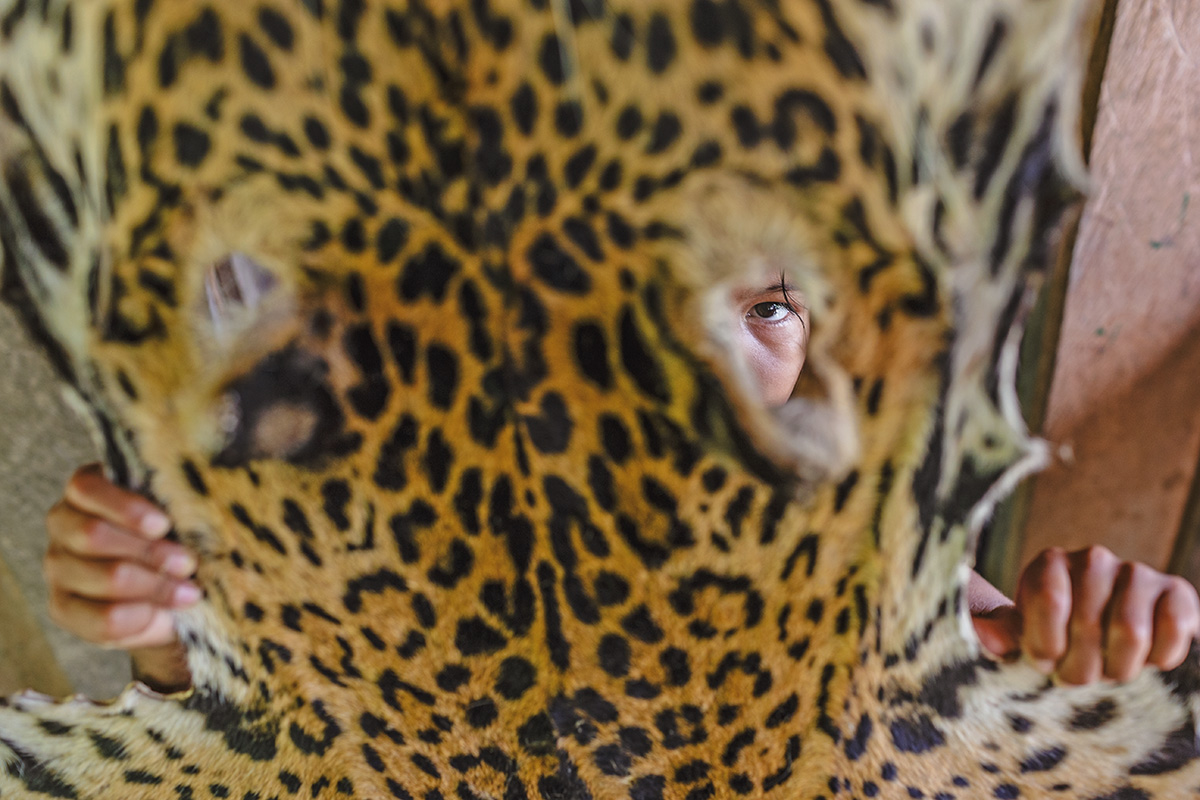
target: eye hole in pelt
769 315
234 288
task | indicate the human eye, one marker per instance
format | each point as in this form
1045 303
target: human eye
770 311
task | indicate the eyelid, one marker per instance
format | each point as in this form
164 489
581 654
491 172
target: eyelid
782 286
750 315
790 293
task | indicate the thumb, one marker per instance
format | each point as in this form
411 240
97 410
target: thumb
999 631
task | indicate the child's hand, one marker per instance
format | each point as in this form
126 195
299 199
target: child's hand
1088 615
113 579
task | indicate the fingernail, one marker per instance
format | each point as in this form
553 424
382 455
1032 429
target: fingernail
185 594
179 565
155 523
1043 666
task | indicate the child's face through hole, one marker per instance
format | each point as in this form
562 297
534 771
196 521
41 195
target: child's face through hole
772 329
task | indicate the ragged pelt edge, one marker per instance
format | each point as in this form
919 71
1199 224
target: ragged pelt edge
994 150
1005 727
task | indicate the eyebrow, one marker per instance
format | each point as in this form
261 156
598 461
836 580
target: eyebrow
781 286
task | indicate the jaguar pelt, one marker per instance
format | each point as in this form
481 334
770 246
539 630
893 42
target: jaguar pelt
486 502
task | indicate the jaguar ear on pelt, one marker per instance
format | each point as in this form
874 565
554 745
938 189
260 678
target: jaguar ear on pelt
416 316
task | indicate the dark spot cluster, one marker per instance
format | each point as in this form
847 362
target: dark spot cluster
287 382
202 38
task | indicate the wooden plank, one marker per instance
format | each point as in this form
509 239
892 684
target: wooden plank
1185 560
26 660
41 442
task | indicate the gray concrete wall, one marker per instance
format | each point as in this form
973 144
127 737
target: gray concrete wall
41 443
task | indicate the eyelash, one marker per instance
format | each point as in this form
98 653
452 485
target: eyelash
787 303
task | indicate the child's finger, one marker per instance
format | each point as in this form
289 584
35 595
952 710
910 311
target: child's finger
1129 628
116 581
90 537
91 492
159 631
112 624
999 631
1176 624
1093 572
1044 602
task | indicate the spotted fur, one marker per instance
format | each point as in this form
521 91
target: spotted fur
485 503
